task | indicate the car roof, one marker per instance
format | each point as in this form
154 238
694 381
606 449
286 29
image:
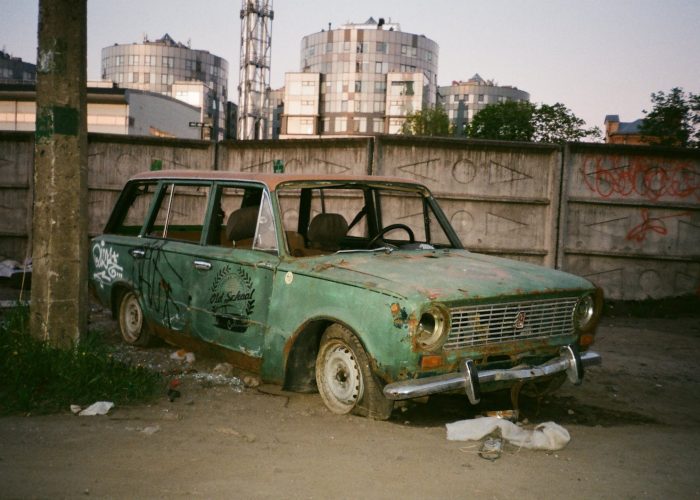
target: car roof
270 180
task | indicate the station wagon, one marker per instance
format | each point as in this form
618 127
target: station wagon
355 287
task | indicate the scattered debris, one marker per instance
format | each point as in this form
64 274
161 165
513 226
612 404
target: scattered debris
150 430
251 381
491 449
212 379
225 369
511 415
183 355
545 436
98 408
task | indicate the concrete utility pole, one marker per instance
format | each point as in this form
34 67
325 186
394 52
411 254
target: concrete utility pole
59 278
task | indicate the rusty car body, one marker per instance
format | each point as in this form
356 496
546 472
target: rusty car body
357 287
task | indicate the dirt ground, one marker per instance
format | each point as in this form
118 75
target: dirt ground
634 425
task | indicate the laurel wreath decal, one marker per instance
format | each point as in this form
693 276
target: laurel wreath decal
245 278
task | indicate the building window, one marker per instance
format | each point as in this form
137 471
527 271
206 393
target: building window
133 77
407 50
149 60
481 97
189 65
133 60
359 125
378 126
146 78
382 48
168 62
119 77
346 46
166 79
402 88
329 47
341 124
358 85
380 87
119 60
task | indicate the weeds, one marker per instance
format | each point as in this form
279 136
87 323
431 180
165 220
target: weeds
37 378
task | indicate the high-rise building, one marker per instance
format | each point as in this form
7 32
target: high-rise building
14 70
359 79
173 69
462 100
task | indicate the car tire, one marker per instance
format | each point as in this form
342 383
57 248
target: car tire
132 324
344 377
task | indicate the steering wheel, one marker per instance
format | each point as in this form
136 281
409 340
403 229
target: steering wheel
389 228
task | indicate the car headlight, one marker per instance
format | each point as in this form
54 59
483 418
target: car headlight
432 329
585 312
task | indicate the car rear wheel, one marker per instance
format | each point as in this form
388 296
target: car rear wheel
131 321
344 377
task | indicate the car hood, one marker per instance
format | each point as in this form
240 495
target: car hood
443 275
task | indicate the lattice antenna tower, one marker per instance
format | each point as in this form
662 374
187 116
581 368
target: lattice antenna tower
254 76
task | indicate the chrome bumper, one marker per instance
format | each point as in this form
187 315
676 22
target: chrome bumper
469 379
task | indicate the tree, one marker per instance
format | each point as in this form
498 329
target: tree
674 119
428 121
557 124
524 121
506 121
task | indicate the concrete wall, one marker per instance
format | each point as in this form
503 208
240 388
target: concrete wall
502 198
628 218
631 219
112 159
16 161
327 156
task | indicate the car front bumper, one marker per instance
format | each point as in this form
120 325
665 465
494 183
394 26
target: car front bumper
470 379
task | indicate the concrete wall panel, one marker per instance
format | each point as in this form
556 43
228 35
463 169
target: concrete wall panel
332 156
631 219
502 198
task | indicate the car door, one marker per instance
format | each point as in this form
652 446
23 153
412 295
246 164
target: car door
233 273
164 255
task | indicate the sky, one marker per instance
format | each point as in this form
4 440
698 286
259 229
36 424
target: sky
597 57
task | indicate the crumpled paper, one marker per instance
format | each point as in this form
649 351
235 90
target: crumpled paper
545 436
98 408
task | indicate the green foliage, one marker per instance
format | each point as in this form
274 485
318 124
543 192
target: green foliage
557 124
527 122
430 122
674 119
38 378
505 121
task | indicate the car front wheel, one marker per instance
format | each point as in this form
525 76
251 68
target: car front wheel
344 378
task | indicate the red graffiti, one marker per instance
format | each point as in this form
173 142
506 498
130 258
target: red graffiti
651 224
647 177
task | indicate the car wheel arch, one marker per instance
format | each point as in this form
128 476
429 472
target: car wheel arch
301 351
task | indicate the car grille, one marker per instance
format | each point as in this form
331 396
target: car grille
498 323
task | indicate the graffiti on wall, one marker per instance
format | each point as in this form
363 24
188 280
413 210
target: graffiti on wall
650 178
651 224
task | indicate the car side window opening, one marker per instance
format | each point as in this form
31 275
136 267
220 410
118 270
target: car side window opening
132 209
180 213
243 218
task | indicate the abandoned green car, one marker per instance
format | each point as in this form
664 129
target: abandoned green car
356 287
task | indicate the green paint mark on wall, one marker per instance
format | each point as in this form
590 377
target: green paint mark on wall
52 120
156 164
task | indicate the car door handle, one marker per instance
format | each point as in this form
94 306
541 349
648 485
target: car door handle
202 265
137 253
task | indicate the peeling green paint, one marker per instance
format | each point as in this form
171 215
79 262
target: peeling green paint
52 120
